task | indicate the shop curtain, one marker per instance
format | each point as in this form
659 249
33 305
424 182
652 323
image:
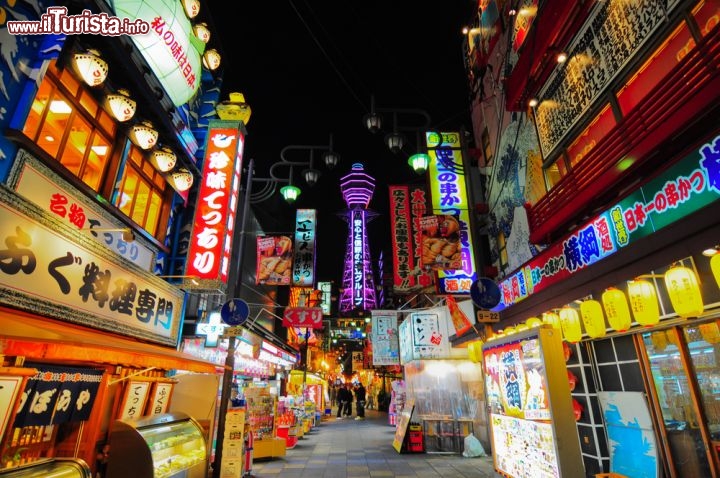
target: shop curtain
58 394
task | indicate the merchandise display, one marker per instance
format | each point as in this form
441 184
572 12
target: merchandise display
261 415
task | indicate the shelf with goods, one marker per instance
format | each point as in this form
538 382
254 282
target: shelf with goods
261 415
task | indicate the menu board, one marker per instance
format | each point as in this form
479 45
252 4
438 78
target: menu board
530 406
402 424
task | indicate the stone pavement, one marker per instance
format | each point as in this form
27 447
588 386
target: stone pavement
350 448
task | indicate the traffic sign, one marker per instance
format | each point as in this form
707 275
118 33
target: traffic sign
485 293
235 312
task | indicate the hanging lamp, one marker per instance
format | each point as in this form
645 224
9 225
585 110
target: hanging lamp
684 291
616 309
643 302
593 318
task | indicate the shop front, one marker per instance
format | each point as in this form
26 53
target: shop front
635 292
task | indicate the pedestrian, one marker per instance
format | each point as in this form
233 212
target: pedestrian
343 397
348 403
360 399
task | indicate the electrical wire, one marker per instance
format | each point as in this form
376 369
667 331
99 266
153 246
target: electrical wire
326 55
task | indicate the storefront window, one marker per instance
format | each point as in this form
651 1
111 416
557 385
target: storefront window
67 123
704 344
675 400
141 192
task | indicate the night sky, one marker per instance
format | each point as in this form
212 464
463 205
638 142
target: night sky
309 70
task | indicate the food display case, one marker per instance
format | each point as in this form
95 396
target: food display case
50 468
161 446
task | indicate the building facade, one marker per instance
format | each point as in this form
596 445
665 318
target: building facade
596 125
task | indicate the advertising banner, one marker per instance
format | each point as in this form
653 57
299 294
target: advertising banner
401 231
304 260
208 258
384 337
307 317
274 260
441 242
449 197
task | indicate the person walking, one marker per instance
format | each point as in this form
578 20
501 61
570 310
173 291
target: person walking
348 403
342 396
360 399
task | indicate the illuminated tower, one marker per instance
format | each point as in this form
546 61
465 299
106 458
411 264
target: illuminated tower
358 283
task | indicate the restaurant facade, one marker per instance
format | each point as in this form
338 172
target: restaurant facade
596 132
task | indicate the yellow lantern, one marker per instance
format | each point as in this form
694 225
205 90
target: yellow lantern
616 309
508 330
684 291
521 327
710 332
570 323
533 322
475 351
659 340
715 267
643 302
552 318
593 318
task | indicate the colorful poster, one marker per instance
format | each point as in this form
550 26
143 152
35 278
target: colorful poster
274 260
304 261
449 197
441 248
384 337
633 450
429 335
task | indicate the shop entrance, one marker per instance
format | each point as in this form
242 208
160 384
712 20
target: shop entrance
684 367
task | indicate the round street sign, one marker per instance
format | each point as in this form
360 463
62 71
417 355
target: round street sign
235 312
485 293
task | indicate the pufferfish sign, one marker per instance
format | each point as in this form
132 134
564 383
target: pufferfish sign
441 248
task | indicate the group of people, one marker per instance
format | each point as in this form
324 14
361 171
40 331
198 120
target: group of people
344 397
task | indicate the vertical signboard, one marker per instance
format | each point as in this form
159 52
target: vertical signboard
400 228
358 257
216 208
385 344
449 197
304 263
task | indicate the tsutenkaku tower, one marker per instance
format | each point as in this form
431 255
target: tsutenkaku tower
358 283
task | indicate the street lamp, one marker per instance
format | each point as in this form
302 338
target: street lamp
415 120
290 192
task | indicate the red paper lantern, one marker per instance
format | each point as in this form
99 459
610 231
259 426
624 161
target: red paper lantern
577 409
572 380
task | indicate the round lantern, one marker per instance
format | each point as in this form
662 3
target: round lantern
92 69
553 319
475 351
163 159
715 267
181 180
572 380
509 330
577 409
684 291
593 318
121 105
710 332
521 327
570 324
616 309
567 351
533 322
644 302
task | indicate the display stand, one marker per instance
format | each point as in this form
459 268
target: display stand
532 421
402 426
261 409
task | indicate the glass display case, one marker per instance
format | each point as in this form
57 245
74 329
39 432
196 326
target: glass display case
161 446
50 468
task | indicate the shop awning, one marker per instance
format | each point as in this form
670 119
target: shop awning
39 338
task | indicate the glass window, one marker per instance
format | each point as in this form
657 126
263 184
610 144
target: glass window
555 172
674 394
598 128
655 69
703 343
142 192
